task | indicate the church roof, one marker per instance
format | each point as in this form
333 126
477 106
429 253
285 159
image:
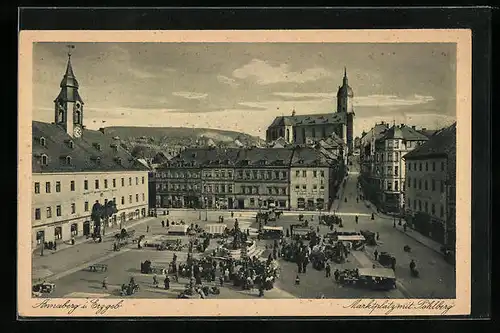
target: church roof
69 86
94 151
345 89
309 119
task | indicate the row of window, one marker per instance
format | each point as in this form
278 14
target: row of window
48 210
48 185
391 173
270 190
304 187
426 184
418 205
222 188
396 186
314 173
255 174
301 203
413 166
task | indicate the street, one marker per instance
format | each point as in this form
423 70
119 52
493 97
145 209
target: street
68 266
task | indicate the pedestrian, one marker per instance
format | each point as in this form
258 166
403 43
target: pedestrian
328 270
336 274
55 245
221 280
357 199
297 280
163 224
168 212
105 283
378 236
317 229
168 223
232 214
155 281
147 228
393 264
356 218
375 254
261 289
166 283
373 217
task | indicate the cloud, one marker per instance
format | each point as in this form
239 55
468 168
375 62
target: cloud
141 74
227 80
265 73
189 95
362 101
390 100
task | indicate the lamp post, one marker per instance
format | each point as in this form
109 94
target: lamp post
206 209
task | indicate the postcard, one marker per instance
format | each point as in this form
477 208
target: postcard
244 173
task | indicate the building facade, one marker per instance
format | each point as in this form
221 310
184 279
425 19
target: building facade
312 179
300 129
430 190
245 178
384 169
73 168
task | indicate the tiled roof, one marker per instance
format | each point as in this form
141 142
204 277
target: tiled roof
376 132
442 143
268 156
307 156
402 132
197 157
310 119
84 155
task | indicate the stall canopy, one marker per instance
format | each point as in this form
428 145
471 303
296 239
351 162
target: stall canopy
377 272
350 238
266 228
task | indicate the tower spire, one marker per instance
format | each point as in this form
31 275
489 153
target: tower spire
345 75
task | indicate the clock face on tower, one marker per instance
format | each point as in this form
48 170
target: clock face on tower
77 131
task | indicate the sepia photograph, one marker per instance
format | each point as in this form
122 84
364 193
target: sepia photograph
229 169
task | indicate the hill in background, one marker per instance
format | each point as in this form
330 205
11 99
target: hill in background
145 142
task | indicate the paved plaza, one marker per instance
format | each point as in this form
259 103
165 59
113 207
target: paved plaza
67 267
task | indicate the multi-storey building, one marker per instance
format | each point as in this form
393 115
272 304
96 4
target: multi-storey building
73 168
382 165
299 129
262 177
430 189
312 179
244 178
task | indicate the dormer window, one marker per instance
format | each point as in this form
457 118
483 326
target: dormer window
45 159
42 141
118 160
68 160
70 144
97 146
114 146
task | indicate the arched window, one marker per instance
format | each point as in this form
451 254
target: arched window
71 144
68 160
45 159
42 141
77 117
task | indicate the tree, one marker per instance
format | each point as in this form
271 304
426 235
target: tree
102 212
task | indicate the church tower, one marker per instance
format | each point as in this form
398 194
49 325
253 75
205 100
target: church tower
68 104
344 105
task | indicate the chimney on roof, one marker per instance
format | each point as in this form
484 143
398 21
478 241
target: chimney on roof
413 127
402 125
101 130
424 129
383 122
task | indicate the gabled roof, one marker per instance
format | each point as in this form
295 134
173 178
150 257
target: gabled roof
402 132
271 156
310 119
442 143
308 156
375 132
84 155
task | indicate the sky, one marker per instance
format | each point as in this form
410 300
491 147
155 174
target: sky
244 86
